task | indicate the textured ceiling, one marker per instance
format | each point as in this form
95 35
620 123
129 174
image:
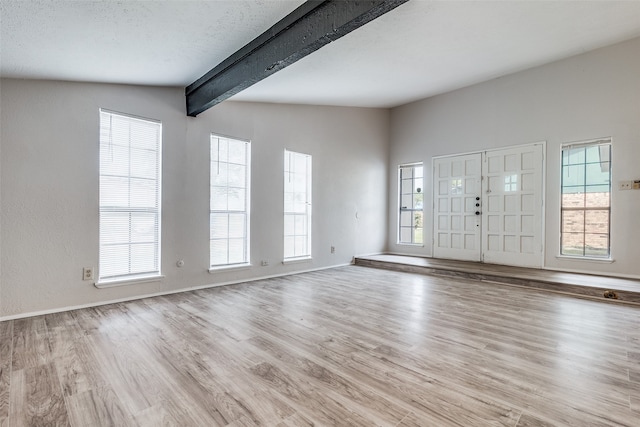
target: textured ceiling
420 49
141 42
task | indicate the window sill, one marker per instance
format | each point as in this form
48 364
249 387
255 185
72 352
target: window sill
297 260
129 281
417 245
589 259
223 268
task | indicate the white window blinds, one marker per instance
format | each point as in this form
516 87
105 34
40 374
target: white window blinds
130 175
297 205
229 201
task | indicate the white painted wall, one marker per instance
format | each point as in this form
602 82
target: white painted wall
596 94
49 182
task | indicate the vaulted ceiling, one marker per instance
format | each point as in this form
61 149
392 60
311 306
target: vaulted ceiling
420 49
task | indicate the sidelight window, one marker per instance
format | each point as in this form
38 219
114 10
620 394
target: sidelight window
411 215
586 199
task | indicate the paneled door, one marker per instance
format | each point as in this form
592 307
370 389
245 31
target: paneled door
488 206
512 206
457 219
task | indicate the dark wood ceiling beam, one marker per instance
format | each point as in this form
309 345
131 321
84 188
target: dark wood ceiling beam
302 32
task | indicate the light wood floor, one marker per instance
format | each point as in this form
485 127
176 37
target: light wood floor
351 346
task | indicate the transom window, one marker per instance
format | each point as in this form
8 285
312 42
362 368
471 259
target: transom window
130 171
586 199
297 205
411 190
229 201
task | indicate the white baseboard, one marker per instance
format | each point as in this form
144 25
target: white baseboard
157 294
371 254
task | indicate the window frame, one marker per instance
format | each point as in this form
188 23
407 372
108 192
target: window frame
246 261
135 276
289 156
412 210
601 142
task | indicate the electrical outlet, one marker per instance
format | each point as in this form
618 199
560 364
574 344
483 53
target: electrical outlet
333 249
264 263
87 273
625 185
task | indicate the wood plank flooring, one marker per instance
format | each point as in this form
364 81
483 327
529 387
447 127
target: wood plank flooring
351 346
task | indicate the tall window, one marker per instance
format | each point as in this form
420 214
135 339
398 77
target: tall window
297 205
130 170
229 201
411 190
586 199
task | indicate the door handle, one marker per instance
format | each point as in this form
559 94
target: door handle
477 212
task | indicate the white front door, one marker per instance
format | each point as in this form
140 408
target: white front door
488 206
456 191
512 206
